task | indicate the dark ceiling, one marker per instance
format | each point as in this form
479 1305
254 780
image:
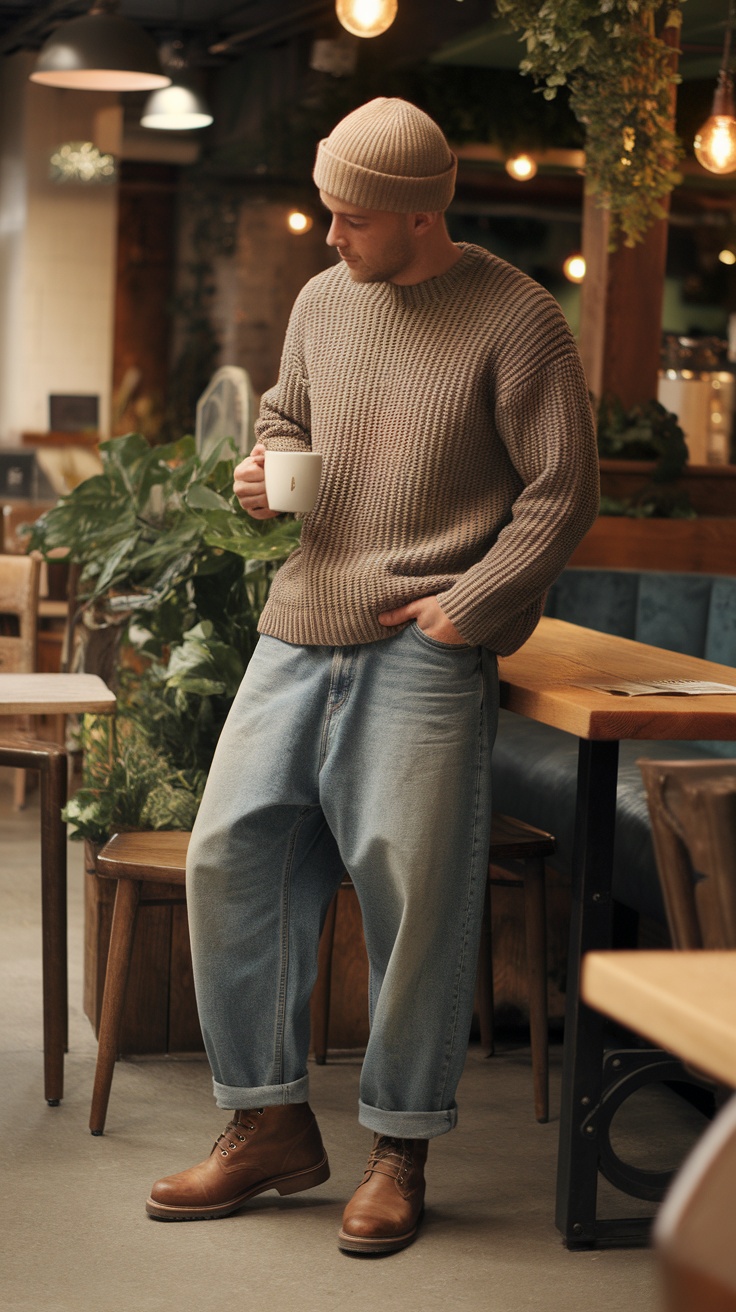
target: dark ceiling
218 30
464 32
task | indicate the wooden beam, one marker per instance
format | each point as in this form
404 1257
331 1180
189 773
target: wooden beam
621 309
621 301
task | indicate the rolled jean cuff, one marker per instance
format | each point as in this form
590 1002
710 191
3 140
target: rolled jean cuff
407 1125
231 1097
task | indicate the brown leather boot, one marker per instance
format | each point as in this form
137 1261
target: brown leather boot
273 1148
383 1214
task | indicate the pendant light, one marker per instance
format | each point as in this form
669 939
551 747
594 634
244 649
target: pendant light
366 17
181 105
176 108
100 52
715 143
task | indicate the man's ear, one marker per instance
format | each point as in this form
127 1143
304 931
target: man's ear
423 222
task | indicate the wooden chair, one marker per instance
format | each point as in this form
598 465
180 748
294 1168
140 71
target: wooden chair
19 587
692 805
517 856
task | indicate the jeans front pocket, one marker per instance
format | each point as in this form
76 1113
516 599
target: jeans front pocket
436 643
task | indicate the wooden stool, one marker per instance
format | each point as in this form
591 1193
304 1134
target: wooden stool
516 859
159 857
134 859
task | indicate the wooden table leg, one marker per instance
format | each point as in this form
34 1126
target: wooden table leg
51 762
54 923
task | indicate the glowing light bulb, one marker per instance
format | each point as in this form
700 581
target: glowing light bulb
521 167
574 268
715 143
298 222
727 256
366 17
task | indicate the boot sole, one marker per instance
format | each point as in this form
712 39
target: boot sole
284 1184
390 1244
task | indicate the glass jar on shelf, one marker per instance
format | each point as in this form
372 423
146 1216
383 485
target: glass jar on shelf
696 382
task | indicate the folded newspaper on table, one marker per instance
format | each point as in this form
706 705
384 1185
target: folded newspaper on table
666 687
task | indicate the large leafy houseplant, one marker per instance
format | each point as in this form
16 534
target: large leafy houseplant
176 575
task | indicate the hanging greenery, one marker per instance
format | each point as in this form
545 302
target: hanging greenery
209 216
619 69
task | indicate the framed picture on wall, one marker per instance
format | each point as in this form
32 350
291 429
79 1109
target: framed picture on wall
74 414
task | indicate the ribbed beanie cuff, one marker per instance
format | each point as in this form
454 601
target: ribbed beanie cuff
387 155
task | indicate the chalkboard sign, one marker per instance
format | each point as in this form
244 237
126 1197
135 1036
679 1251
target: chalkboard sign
74 414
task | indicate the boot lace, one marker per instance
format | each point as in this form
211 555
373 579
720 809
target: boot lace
390 1157
232 1136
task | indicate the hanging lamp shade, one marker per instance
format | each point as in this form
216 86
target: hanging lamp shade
176 108
100 52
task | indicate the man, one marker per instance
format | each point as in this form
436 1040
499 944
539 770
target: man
446 395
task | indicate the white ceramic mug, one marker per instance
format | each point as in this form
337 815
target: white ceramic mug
292 479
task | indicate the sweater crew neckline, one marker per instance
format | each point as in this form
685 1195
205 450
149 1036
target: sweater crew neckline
431 289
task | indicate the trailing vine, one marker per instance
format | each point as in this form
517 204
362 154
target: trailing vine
619 70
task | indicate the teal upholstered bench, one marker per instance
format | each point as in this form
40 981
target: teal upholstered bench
535 766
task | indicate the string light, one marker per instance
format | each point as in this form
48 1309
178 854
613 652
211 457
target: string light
366 17
81 161
574 268
521 167
298 222
715 143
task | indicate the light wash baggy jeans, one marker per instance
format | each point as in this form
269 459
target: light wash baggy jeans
374 759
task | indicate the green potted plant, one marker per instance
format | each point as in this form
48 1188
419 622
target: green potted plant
645 433
173 579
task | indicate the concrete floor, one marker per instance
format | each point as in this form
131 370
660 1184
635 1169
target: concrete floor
74 1234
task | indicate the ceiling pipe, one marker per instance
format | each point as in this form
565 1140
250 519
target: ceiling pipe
285 21
36 22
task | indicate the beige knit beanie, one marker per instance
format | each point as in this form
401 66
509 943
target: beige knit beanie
387 155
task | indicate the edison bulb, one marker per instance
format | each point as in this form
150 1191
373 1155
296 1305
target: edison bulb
574 268
366 17
521 167
299 222
715 144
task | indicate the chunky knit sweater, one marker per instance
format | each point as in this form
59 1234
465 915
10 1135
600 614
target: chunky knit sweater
459 457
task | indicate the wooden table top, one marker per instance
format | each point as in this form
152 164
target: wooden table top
684 1001
542 679
54 694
